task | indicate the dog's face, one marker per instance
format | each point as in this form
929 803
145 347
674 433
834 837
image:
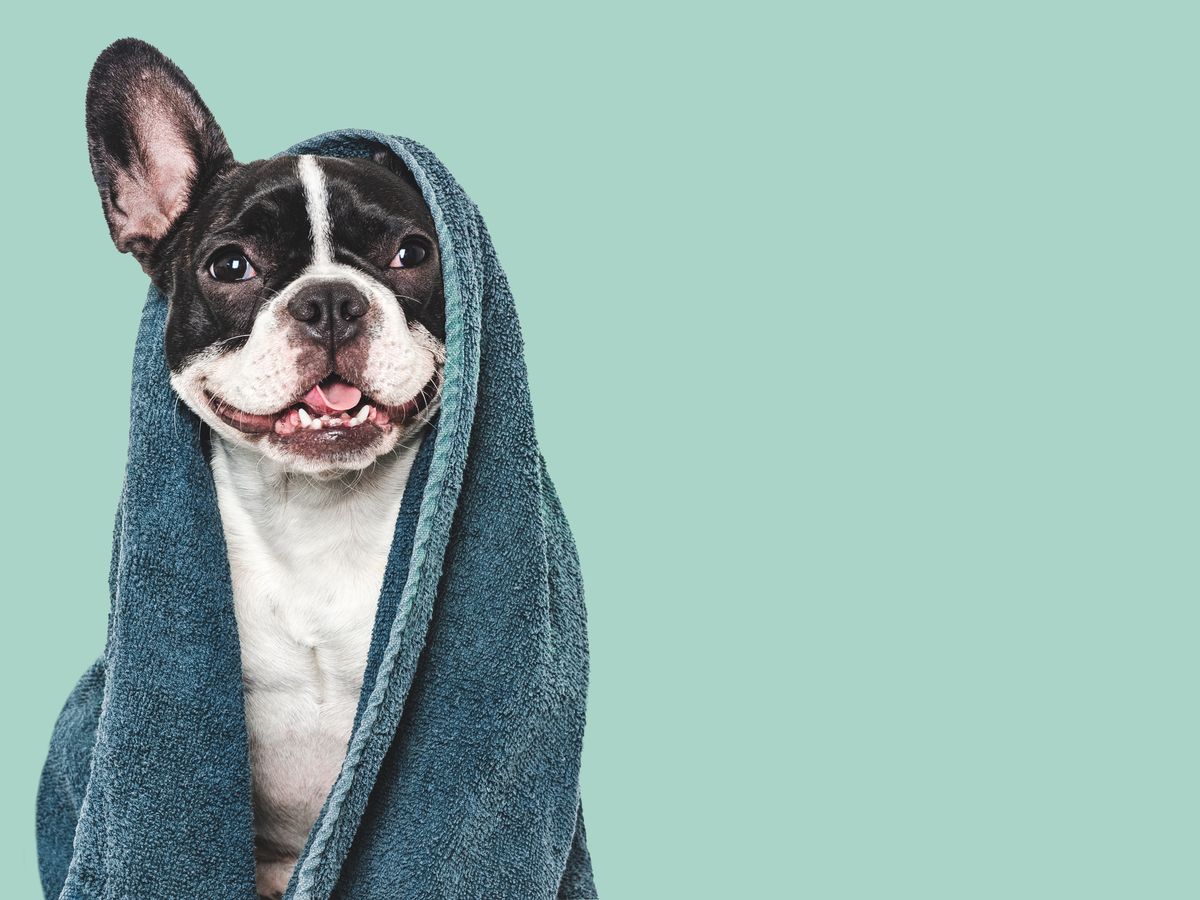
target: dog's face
306 310
306 314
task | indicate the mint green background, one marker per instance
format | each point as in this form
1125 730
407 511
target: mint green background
862 340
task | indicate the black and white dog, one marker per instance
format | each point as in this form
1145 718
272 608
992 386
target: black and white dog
305 328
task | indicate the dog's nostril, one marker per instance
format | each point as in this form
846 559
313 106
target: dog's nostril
304 309
354 307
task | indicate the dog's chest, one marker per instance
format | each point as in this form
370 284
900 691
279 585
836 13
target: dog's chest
307 560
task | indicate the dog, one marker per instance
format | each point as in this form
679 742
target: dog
306 328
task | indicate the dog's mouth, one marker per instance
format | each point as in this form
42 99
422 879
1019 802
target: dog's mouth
333 408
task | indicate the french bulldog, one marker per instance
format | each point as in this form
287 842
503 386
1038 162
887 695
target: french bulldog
305 329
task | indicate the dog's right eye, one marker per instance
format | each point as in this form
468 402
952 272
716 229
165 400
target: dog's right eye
231 265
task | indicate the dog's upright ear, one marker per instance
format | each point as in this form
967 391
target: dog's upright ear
390 161
153 144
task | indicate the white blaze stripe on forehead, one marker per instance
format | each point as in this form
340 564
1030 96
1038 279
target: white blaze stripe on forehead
316 201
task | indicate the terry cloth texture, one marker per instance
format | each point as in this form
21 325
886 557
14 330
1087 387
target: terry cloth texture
461 778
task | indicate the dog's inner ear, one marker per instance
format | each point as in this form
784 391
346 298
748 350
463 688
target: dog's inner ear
389 160
152 143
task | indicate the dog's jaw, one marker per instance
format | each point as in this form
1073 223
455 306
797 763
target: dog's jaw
401 393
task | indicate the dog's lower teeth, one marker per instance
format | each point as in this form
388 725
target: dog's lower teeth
301 419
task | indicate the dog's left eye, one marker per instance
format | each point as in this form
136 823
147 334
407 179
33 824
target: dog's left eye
231 265
411 253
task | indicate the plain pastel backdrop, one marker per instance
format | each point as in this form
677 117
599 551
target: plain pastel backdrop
862 341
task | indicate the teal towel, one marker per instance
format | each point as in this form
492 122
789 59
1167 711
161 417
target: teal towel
461 778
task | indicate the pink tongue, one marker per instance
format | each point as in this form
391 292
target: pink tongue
337 396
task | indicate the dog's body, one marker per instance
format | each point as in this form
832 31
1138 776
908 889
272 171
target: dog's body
305 329
307 559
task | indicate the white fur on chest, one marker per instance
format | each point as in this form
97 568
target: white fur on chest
307 559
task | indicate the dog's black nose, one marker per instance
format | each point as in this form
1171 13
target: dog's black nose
329 311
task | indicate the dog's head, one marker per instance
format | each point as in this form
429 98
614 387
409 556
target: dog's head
306 313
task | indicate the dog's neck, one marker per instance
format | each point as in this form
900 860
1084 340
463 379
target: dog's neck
262 498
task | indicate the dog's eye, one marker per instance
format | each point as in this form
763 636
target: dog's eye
412 253
231 265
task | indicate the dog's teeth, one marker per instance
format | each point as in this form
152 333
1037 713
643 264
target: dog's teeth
305 418
361 417
316 425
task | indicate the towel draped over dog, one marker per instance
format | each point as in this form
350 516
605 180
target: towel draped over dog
461 777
